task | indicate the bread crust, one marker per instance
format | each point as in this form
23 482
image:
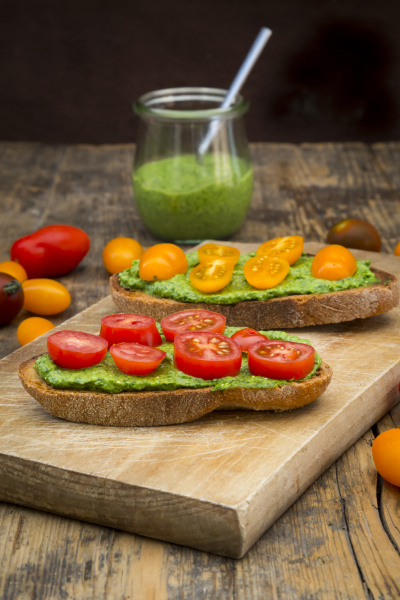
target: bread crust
287 312
145 409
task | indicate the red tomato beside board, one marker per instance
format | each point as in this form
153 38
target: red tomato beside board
136 359
51 251
192 320
279 359
207 355
125 327
247 337
76 349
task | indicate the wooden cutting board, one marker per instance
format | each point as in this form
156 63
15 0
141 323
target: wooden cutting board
218 483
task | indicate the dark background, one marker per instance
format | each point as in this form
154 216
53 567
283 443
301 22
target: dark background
70 70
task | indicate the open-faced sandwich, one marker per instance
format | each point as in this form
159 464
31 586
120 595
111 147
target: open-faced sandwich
139 373
276 287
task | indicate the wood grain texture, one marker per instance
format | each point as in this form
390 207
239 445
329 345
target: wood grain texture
308 552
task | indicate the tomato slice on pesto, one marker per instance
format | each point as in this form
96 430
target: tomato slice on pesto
281 360
207 355
76 349
192 320
246 337
125 327
136 359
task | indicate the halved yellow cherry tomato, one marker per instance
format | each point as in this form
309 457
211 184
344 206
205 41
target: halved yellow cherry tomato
211 276
29 329
45 296
289 248
161 262
333 262
11 267
264 272
211 251
119 253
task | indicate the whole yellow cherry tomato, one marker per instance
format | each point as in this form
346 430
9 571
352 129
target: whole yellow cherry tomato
333 262
119 253
31 328
397 250
13 268
45 296
162 261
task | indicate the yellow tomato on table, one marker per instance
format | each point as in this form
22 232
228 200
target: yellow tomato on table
289 247
119 253
264 272
161 262
11 267
211 276
31 328
333 262
45 296
386 455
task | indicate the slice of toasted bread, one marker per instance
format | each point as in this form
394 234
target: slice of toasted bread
128 409
278 313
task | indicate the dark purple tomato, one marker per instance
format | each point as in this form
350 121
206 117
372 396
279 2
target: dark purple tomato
11 298
355 233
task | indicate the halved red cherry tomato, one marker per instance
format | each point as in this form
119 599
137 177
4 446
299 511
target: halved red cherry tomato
279 359
289 247
207 355
212 251
264 272
161 262
136 359
333 262
192 320
211 276
247 337
124 327
76 349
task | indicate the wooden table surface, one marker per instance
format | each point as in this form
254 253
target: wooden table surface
341 539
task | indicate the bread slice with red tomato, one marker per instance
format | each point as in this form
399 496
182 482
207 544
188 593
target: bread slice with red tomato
155 408
277 313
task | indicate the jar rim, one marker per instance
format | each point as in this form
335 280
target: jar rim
149 104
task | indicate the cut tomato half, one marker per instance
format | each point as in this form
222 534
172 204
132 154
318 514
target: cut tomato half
125 327
264 272
247 337
289 247
207 355
192 320
136 359
76 349
212 251
211 276
279 359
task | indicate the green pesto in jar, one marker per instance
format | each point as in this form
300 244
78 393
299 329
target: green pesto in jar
298 281
106 377
182 198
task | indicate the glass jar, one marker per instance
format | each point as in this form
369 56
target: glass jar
192 174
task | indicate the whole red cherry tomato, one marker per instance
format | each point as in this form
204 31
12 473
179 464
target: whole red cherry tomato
51 251
11 298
